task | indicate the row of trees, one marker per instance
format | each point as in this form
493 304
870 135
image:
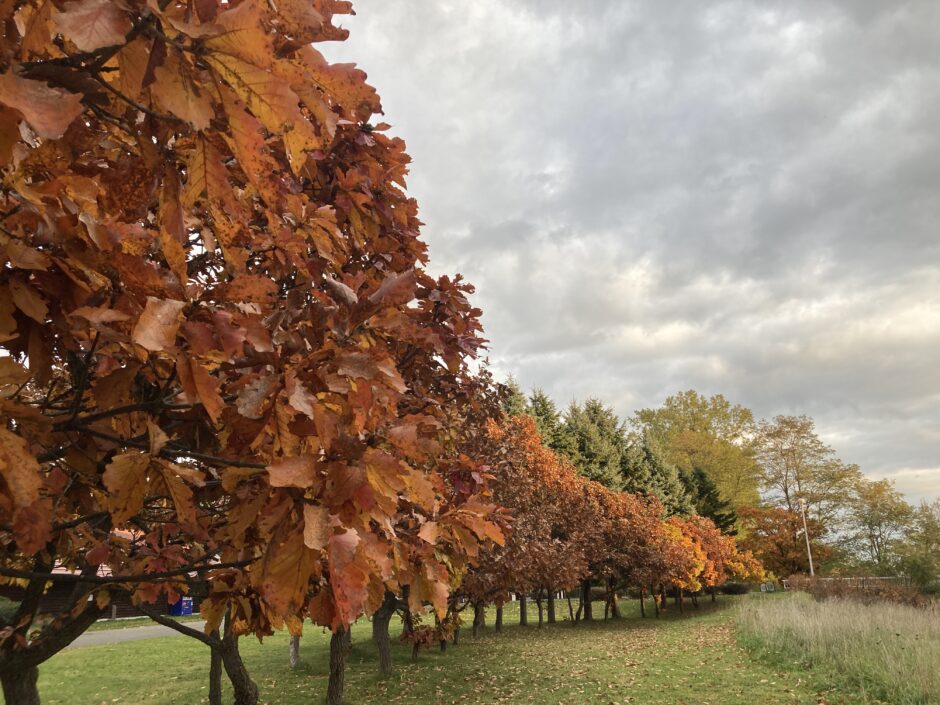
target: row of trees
707 455
570 531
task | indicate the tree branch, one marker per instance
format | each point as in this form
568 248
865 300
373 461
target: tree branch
178 626
111 579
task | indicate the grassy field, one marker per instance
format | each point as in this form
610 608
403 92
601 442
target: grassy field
888 653
673 661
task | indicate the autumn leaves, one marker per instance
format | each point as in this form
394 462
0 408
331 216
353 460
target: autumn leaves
225 365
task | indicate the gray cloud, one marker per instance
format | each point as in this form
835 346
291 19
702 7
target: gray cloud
736 197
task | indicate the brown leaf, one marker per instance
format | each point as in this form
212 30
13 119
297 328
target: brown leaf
158 323
396 289
34 25
182 498
26 257
254 396
28 300
317 527
357 365
283 573
133 59
9 134
8 329
158 438
49 111
172 229
299 471
32 526
340 292
348 579
12 373
99 315
429 532
207 389
299 396
249 288
126 480
93 24
178 93
19 469
207 177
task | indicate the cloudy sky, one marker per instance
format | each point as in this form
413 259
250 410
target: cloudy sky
734 197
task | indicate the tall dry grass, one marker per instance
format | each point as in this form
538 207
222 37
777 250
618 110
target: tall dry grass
886 652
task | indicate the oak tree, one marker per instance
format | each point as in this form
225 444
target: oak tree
224 357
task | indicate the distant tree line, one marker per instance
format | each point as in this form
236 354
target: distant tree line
707 456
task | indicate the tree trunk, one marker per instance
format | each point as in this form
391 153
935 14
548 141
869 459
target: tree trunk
642 605
570 608
408 623
499 619
523 614
215 673
662 597
479 618
655 601
551 606
19 686
294 651
442 642
339 649
614 606
457 636
680 601
694 600
246 692
380 621
712 591
586 599
538 603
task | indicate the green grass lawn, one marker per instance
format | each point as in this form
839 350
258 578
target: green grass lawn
692 660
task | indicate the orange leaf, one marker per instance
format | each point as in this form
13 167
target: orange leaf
349 581
156 328
207 175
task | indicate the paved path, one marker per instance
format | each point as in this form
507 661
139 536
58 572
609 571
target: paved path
116 636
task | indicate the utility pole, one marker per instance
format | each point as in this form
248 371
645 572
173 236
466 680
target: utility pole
809 551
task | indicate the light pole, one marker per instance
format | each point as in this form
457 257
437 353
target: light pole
809 551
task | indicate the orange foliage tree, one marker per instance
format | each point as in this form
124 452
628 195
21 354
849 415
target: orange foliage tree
775 536
544 551
224 359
